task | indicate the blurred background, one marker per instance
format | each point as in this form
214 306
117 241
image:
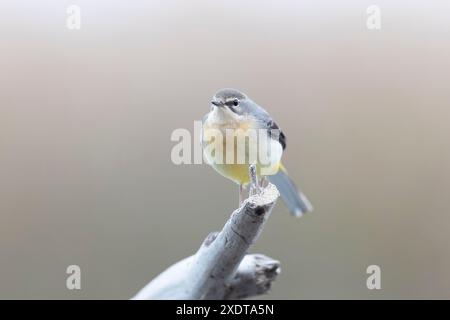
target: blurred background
86 118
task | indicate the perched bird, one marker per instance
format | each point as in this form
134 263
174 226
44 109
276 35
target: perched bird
230 146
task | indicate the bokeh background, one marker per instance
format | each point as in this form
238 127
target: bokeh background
86 117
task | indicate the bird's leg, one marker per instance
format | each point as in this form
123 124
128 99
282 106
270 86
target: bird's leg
254 183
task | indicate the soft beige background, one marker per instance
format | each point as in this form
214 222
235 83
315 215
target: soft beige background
86 118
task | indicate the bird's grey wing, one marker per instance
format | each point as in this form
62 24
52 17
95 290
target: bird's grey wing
268 123
276 133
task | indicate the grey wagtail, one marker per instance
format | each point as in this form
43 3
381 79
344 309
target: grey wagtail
234 115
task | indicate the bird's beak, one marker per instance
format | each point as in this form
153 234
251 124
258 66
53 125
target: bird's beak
216 103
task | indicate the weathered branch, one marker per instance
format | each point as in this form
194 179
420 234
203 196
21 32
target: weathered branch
221 269
253 277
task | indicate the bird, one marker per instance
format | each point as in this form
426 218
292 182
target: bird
229 131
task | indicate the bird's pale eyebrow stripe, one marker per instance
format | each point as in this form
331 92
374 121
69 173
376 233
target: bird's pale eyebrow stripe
230 104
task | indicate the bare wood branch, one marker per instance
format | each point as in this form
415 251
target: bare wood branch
253 277
221 269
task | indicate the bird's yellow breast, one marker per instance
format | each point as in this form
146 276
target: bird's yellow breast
231 146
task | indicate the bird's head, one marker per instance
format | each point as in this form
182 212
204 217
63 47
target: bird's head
230 101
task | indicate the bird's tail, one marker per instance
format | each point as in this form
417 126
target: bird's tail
294 199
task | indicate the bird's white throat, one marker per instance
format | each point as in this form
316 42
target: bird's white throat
223 116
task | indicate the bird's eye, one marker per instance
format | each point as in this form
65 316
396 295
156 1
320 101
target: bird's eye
235 102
